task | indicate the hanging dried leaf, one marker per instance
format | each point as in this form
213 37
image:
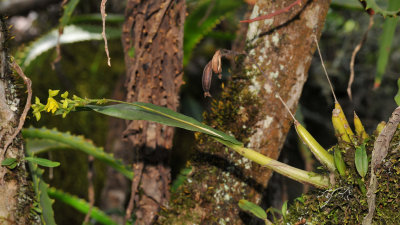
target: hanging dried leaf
206 79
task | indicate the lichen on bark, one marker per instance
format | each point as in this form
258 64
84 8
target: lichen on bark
16 195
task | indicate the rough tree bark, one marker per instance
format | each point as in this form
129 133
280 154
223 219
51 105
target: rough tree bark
283 47
16 193
152 39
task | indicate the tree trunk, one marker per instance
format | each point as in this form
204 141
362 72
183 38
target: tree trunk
152 39
283 47
16 195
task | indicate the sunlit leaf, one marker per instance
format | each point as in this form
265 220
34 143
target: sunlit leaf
11 163
71 34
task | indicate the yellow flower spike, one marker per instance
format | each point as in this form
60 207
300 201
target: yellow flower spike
52 105
360 131
53 93
346 125
339 127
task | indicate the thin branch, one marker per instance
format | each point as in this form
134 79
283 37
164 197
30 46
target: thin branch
354 54
269 16
103 33
326 72
137 171
22 118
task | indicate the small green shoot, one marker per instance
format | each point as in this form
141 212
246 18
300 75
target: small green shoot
339 162
42 161
397 97
253 209
361 160
284 211
10 163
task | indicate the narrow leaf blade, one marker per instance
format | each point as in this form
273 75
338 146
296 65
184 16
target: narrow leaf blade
253 209
150 112
42 161
397 97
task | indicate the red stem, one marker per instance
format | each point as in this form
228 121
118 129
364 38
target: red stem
269 16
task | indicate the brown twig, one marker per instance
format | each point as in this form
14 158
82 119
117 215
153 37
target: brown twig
137 171
269 16
207 14
22 118
58 45
354 54
103 33
90 189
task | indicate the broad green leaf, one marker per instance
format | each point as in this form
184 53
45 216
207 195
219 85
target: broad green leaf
361 160
253 209
72 34
196 29
42 161
40 187
385 42
339 162
38 146
11 163
81 205
150 112
397 97
78 143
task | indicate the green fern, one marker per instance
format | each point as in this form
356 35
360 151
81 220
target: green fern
45 203
195 32
79 143
371 4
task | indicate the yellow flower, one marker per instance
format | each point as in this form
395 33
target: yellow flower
52 105
53 93
37 115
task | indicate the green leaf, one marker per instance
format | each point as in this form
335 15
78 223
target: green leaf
253 209
195 31
284 210
361 160
42 161
81 205
80 144
72 34
40 187
11 163
38 146
385 42
180 179
397 97
150 112
339 162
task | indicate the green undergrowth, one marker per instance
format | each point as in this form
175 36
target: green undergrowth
345 202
